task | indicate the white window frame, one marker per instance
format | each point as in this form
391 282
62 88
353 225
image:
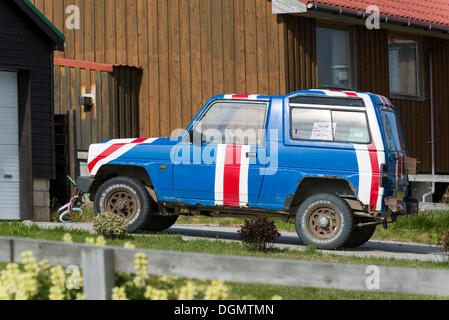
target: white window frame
352 58
419 70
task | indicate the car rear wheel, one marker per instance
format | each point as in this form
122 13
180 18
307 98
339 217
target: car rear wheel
324 221
127 198
360 236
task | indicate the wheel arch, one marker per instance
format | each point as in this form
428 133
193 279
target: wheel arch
314 185
108 172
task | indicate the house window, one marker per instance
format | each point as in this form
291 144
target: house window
334 58
404 67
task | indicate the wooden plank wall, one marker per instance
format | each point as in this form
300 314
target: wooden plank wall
116 112
189 50
192 49
373 76
300 57
440 50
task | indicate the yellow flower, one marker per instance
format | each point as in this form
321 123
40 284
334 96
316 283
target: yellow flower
56 294
58 281
141 264
277 298
101 241
80 297
217 291
68 238
155 294
119 294
28 286
129 245
75 280
4 296
189 291
90 241
167 279
30 263
25 283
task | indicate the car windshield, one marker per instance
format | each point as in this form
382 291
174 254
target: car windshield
393 134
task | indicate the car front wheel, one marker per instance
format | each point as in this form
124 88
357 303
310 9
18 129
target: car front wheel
324 221
127 198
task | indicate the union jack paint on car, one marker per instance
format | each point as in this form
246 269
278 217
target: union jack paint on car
334 160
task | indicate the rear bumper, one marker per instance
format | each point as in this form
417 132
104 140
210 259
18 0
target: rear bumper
407 207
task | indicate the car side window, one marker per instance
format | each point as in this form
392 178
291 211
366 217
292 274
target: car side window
330 125
238 123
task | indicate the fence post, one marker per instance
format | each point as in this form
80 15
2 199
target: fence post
98 273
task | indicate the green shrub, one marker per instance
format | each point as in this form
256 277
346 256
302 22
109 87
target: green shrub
110 226
258 232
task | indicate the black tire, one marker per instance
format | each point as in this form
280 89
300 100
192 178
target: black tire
360 236
339 219
133 187
159 223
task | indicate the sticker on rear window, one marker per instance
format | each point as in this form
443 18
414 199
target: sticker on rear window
358 135
323 131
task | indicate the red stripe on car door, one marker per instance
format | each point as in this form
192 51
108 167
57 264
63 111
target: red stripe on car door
231 179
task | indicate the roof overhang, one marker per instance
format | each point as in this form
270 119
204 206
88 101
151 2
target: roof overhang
314 9
288 6
56 37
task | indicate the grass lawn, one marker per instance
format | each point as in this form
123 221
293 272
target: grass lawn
176 243
266 292
254 291
422 228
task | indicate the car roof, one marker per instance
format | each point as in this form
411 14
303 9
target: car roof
380 99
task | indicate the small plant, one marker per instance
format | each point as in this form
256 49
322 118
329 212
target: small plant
110 226
257 233
443 245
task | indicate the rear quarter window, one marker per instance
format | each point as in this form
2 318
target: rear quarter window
329 125
393 134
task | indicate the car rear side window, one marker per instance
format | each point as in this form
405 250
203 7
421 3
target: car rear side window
330 125
393 134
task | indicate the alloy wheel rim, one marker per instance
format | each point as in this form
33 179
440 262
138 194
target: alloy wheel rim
323 223
122 203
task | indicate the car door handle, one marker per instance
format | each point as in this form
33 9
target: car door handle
251 155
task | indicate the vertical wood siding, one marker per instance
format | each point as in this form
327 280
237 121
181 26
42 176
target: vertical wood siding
189 50
441 103
192 49
301 53
372 65
116 112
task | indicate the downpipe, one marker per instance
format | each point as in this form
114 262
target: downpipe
432 128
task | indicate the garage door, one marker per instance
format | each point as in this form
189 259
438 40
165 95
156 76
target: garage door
9 147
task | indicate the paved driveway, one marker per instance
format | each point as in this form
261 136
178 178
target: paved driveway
290 240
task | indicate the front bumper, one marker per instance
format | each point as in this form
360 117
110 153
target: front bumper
407 207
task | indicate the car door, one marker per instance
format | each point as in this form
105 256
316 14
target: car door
218 164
